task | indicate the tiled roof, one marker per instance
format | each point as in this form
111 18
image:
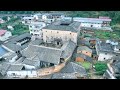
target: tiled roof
4 68
12 43
67 49
81 48
91 19
15 68
64 76
30 62
36 42
45 54
72 67
105 47
2 32
73 27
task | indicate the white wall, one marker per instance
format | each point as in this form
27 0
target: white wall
5 36
29 67
103 55
22 74
44 17
64 35
13 59
89 25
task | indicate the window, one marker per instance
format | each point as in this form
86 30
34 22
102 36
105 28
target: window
57 32
31 33
105 53
70 33
86 52
104 58
116 55
46 31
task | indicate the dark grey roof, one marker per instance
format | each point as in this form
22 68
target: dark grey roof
15 68
30 62
10 56
4 68
118 46
81 48
105 47
87 58
60 27
72 67
73 27
64 76
67 49
36 42
45 54
12 43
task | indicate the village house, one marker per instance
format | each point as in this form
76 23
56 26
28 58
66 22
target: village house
82 57
35 29
18 71
10 27
117 48
105 51
84 50
10 57
4 35
113 71
48 56
28 19
31 64
61 31
98 23
47 18
38 16
57 16
76 69
17 43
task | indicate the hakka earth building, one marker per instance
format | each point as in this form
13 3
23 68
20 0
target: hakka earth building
56 45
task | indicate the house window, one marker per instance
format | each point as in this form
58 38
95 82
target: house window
116 55
13 74
104 58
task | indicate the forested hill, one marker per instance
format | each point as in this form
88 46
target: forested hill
114 15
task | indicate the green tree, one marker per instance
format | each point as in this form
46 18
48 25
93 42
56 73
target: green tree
100 67
4 18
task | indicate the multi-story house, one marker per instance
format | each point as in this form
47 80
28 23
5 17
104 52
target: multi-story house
36 29
61 31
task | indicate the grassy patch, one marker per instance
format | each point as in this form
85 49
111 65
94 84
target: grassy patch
86 65
107 35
